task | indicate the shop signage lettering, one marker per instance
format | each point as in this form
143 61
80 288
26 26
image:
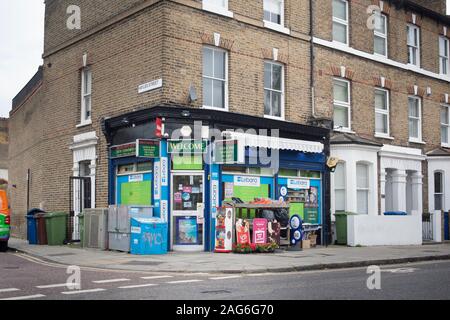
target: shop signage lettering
136 178
149 86
214 196
187 146
164 210
157 178
124 150
147 148
299 184
164 172
246 181
228 152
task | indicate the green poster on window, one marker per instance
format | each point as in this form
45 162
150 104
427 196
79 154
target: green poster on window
136 193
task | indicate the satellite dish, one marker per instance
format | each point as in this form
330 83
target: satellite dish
192 94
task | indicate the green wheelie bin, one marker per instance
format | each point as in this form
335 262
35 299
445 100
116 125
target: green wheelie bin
341 227
56 225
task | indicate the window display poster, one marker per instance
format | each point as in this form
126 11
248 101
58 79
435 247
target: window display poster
187 230
136 193
260 231
312 215
297 208
313 197
243 232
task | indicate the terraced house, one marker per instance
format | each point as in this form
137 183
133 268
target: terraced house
373 76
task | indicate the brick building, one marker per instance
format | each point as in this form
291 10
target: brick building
4 140
268 64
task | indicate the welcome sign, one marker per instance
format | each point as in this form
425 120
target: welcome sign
187 146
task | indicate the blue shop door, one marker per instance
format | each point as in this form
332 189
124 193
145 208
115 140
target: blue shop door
307 203
135 189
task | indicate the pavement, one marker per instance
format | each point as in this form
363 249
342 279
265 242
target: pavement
332 257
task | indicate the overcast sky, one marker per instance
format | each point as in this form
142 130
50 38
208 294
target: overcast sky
21 46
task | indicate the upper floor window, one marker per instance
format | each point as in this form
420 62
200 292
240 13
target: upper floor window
444 55
413 44
215 78
340 21
382 112
380 45
217 6
362 188
273 89
445 125
274 11
86 95
339 188
415 119
438 190
342 104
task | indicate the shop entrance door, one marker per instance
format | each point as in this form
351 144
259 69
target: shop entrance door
188 211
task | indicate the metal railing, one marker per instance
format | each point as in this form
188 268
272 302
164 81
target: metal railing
427 226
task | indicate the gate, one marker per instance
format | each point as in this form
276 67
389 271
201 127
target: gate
427 226
446 226
80 199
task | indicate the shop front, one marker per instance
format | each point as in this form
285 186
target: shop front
185 163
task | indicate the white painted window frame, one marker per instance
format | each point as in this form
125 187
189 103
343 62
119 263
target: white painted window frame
442 193
367 189
275 26
385 113
383 36
415 46
413 139
447 125
272 63
343 22
343 187
86 120
226 107
224 11
446 42
347 105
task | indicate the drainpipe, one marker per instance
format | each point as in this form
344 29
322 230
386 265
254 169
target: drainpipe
28 190
312 58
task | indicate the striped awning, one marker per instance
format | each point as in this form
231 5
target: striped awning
260 141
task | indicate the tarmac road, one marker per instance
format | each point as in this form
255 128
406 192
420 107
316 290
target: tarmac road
27 278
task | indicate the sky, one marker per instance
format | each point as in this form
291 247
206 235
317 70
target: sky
21 46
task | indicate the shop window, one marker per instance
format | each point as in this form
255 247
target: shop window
382 112
194 162
445 125
310 174
288 173
415 119
444 55
381 34
144 166
340 21
273 89
362 188
342 104
86 95
339 188
125 168
234 169
220 4
438 190
215 78
413 45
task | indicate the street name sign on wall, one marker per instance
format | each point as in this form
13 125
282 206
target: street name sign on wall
123 150
228 152
187 146
149 86
147 148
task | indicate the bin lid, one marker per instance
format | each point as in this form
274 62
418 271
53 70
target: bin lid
343 213
34 211
55 214
395 213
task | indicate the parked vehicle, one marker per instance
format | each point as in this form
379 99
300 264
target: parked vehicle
5 221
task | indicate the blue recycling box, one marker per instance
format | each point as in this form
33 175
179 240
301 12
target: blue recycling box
148 236
395 213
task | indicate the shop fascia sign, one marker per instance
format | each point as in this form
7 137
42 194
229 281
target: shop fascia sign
247 181
142 148
186 146
299 184
229 152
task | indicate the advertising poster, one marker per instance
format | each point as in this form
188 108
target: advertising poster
243 232
260 231
187 231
